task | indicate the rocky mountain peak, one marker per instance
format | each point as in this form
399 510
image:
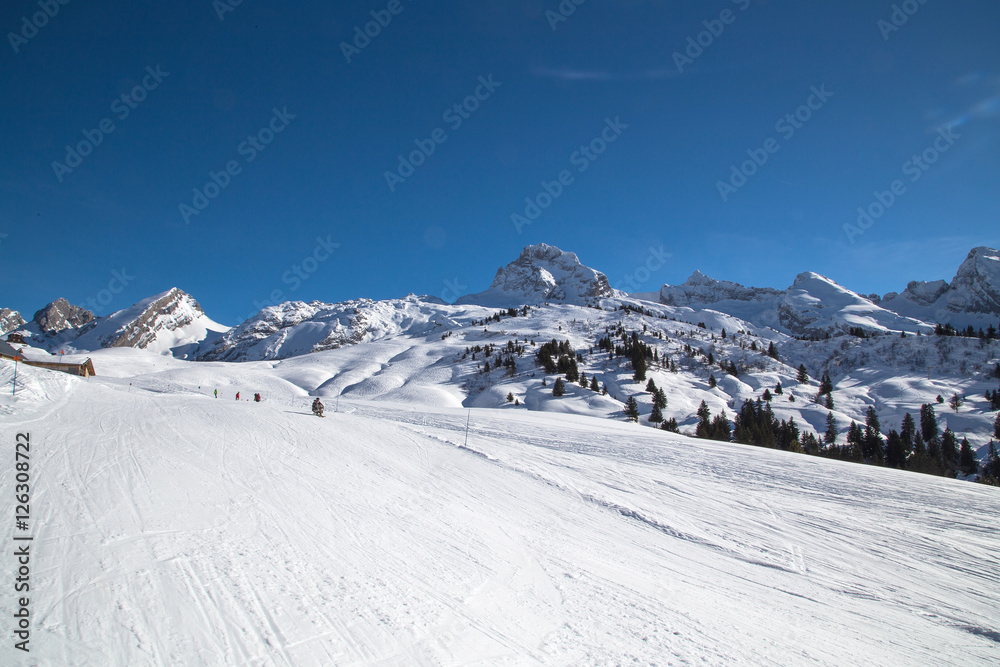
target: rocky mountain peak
61 315
544 273
9 320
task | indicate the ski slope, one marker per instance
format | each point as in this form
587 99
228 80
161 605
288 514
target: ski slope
173 528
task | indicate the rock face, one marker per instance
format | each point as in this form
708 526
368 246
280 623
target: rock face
972 297
61 315
168 323
702 290
141 325
9 320
541 274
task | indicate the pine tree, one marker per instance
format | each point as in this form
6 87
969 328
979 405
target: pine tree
825 384
895 457
966 459
949 449
872 444
639 365
996 427
656 416
772 351
854 443
660 399
907 431
510 397
828 404
803 374
704 414
956 402
559 388
767 395
632 409
583 379
993 462
604 389
593 383
670 425
712 382
830 437
651 386
778 390
928 423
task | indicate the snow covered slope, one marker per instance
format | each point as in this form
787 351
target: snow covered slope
543 273
172 528
972 297
296 328
813 306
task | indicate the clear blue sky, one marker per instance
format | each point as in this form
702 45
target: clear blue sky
323 175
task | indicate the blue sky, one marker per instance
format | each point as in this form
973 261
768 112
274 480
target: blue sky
315 195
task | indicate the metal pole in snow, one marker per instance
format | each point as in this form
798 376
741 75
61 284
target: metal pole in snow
469 419
14 386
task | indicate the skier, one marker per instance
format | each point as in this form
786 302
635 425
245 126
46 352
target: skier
237 396
256 398
216 393
318 407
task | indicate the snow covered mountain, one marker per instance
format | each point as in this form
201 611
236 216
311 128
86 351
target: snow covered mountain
296 328
168 323
9 320
814 305
972 297
543 274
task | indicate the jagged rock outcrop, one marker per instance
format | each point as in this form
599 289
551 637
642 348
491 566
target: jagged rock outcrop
541 274
10 320
972 297
61 315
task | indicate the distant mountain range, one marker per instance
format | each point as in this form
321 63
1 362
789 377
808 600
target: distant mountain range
813 306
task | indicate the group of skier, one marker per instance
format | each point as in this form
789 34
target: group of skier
317 405
256 397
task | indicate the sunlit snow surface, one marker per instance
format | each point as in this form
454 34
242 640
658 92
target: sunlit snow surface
173 528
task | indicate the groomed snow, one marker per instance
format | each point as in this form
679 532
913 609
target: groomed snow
173 528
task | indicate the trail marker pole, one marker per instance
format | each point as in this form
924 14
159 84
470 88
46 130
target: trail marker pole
469 419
